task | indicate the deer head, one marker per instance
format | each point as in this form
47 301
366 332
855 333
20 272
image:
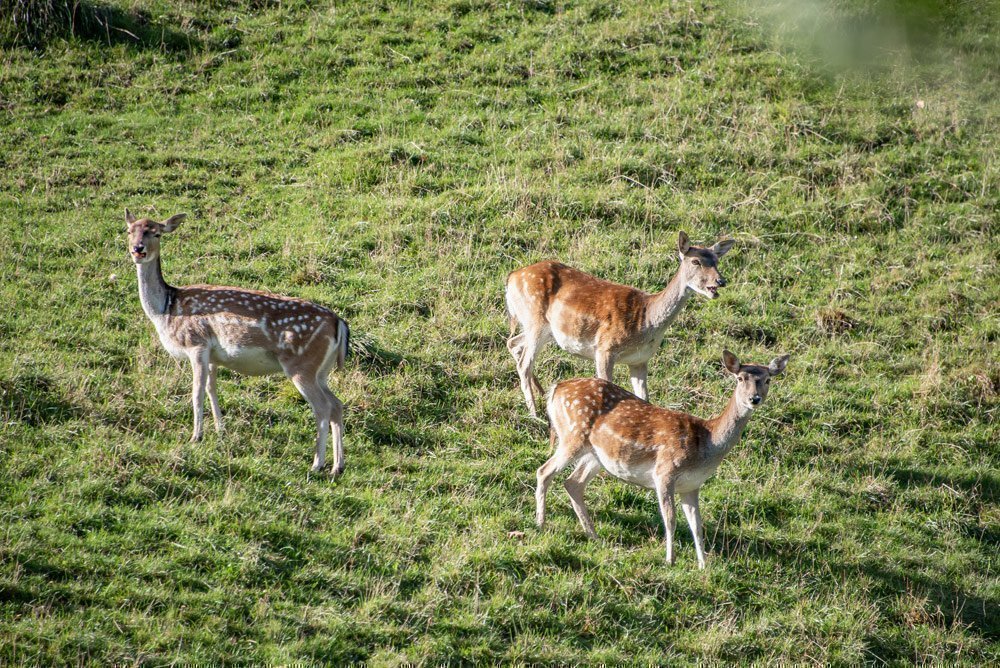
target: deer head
144 235
700 265
752 380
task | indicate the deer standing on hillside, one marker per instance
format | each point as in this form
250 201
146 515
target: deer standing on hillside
597 424
248 331
599 320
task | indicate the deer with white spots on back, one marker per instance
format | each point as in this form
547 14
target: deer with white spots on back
599 320
599 425
248 331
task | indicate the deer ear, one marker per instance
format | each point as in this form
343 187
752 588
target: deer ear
683 244
173 222
777 365
129 218
730 362
723 247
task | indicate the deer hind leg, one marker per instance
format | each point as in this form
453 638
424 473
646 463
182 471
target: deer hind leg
515 344
531 343
336 411
689 502
665 497
637 374
199 377
337 427
336 419
556 463
576 484
320 403
213 398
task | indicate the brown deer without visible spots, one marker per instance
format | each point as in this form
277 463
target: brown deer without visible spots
599 320
599 425
248 331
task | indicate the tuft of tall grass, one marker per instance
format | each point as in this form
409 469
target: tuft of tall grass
30 21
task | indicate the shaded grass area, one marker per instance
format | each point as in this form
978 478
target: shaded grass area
395 163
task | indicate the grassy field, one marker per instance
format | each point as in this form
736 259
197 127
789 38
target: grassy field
395 163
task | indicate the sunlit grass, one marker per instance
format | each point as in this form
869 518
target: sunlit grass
395 163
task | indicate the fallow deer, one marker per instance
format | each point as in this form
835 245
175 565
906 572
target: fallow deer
248 331
596 425
599 320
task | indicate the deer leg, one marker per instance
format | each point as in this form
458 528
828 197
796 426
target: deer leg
605 362
665 496
336 415
199 376
213 398
317 399
529 350
337 428
637 374
515 344
575 486
689 502
546 471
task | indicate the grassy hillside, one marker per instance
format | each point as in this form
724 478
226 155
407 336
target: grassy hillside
395 163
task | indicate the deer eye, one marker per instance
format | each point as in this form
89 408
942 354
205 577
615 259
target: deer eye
696 263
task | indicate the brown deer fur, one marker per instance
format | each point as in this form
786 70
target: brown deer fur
596 425
599 320
248 331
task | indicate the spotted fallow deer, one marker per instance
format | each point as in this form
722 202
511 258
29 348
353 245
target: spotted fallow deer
248 331
595 424
599 320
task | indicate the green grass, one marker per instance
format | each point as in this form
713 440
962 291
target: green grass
395 163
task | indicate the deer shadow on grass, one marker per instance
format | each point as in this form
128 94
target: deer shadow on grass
375 361
369 354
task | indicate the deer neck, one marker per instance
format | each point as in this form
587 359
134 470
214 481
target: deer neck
664 306
154 293
727 427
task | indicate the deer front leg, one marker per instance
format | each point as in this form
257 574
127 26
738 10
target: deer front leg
605 362
199 377
637 374
689 501
665 496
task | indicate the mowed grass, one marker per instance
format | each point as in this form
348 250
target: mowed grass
394 163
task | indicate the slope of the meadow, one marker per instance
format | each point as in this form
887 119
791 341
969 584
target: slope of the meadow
394 163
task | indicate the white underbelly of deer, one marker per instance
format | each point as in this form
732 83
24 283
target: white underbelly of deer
641 352
583 348
248 361
638 474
